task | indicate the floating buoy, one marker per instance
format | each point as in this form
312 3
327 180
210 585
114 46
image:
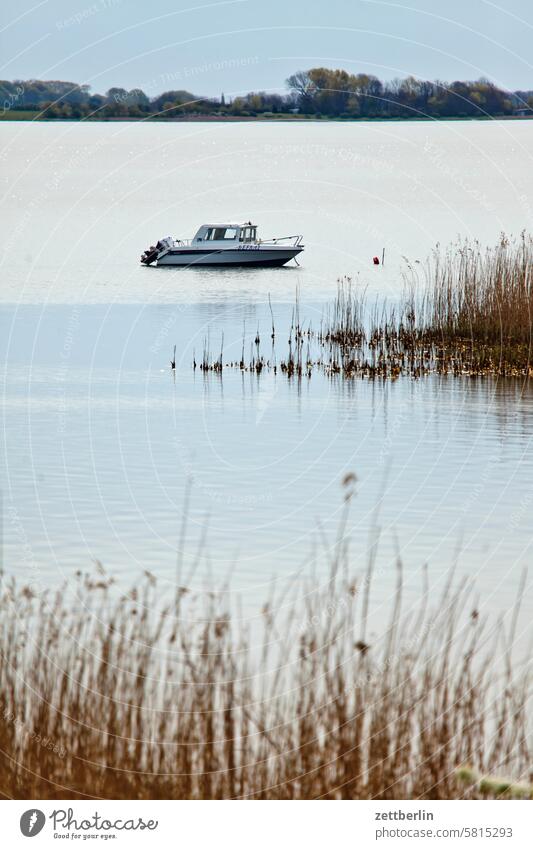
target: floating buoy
375 260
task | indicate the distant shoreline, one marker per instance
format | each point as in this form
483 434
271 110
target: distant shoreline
28 117
318 94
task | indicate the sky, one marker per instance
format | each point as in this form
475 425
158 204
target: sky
236 46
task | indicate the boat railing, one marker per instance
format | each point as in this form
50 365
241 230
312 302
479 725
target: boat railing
296 240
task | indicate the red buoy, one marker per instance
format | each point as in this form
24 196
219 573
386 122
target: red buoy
375 260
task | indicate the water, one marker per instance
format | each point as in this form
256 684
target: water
100 439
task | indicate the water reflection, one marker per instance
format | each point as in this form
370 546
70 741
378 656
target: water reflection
101 438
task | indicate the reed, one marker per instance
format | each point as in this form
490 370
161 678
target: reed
481 301
466 312
134 696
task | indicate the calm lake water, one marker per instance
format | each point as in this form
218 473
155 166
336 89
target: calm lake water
100 438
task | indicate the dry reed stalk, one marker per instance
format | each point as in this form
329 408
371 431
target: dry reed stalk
130 697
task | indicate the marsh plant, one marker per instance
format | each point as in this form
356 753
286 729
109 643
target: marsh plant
482 301
467 311
170 694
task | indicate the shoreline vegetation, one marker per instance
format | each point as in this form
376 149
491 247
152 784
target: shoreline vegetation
160 693
467 311
316 94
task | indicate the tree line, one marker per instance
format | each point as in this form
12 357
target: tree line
317 93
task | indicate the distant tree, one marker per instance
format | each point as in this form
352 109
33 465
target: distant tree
368 93
116 95
303 88
238 106
172 97
137 97
96 102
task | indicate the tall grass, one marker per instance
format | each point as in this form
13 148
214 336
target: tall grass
484 295
467 311
139 696
483 299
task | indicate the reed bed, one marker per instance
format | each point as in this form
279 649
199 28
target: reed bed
485 296
145 696
466 312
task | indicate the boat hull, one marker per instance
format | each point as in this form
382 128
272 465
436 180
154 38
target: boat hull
262 257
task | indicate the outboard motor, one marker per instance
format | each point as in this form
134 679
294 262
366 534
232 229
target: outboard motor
151 254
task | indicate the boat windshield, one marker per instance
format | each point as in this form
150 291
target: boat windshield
219 234
248 234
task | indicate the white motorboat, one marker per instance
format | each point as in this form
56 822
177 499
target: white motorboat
224 245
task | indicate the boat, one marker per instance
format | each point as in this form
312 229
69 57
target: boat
224 245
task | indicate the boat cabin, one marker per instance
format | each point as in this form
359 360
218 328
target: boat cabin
226 233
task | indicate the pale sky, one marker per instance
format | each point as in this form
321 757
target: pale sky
237 46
